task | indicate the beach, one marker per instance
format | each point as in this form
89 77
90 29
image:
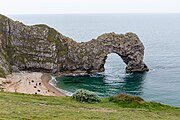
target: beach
30 83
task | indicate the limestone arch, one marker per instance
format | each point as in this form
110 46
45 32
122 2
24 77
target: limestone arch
40 47
128 47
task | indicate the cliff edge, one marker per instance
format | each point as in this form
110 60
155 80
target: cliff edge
42 48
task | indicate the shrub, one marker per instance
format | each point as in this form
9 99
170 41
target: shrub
125 98
82 95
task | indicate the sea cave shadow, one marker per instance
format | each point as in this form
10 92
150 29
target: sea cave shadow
133 83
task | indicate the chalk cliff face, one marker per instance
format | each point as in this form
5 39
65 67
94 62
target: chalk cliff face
42 48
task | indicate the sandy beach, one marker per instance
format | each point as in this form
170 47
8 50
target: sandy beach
30 83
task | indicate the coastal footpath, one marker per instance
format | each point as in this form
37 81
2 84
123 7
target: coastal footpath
16 106
42 48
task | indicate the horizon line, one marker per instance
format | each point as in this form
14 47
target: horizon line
93 13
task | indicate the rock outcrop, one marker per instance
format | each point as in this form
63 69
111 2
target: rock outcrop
42 48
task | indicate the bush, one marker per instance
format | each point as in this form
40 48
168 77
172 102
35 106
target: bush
82 95
125 98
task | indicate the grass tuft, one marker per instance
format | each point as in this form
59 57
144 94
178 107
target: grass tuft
125 98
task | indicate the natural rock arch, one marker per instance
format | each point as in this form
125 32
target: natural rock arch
41 48
127 46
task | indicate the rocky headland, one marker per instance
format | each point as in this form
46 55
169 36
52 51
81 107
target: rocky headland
42 48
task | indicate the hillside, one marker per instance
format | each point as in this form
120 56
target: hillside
18 106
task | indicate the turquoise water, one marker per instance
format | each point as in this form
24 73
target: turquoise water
160 34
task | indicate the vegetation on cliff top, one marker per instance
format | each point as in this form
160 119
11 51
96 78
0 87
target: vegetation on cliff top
82 95
2 74
18 106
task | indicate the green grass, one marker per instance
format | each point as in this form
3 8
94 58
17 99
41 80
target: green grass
16 106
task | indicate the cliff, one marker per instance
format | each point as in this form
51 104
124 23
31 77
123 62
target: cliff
42 48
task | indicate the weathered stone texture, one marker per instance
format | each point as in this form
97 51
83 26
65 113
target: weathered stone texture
41 48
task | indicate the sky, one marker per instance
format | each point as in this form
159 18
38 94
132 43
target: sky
88 6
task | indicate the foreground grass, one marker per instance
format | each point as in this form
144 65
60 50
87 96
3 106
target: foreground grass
21 106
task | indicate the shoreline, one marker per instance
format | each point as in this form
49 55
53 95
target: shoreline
30 83
45 80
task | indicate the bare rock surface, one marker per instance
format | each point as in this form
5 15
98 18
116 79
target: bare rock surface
42 48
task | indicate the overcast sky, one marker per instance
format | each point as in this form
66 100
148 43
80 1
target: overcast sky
88 6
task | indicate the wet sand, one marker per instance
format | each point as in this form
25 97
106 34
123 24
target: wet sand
45 80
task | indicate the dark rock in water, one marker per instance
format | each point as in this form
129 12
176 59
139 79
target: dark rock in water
42 48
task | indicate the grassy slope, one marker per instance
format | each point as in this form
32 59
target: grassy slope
22 106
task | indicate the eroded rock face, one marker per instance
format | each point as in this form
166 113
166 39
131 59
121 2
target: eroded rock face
41 48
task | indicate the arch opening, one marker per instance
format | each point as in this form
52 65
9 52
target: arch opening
114 64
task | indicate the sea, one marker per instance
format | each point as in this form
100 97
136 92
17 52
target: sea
160 34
